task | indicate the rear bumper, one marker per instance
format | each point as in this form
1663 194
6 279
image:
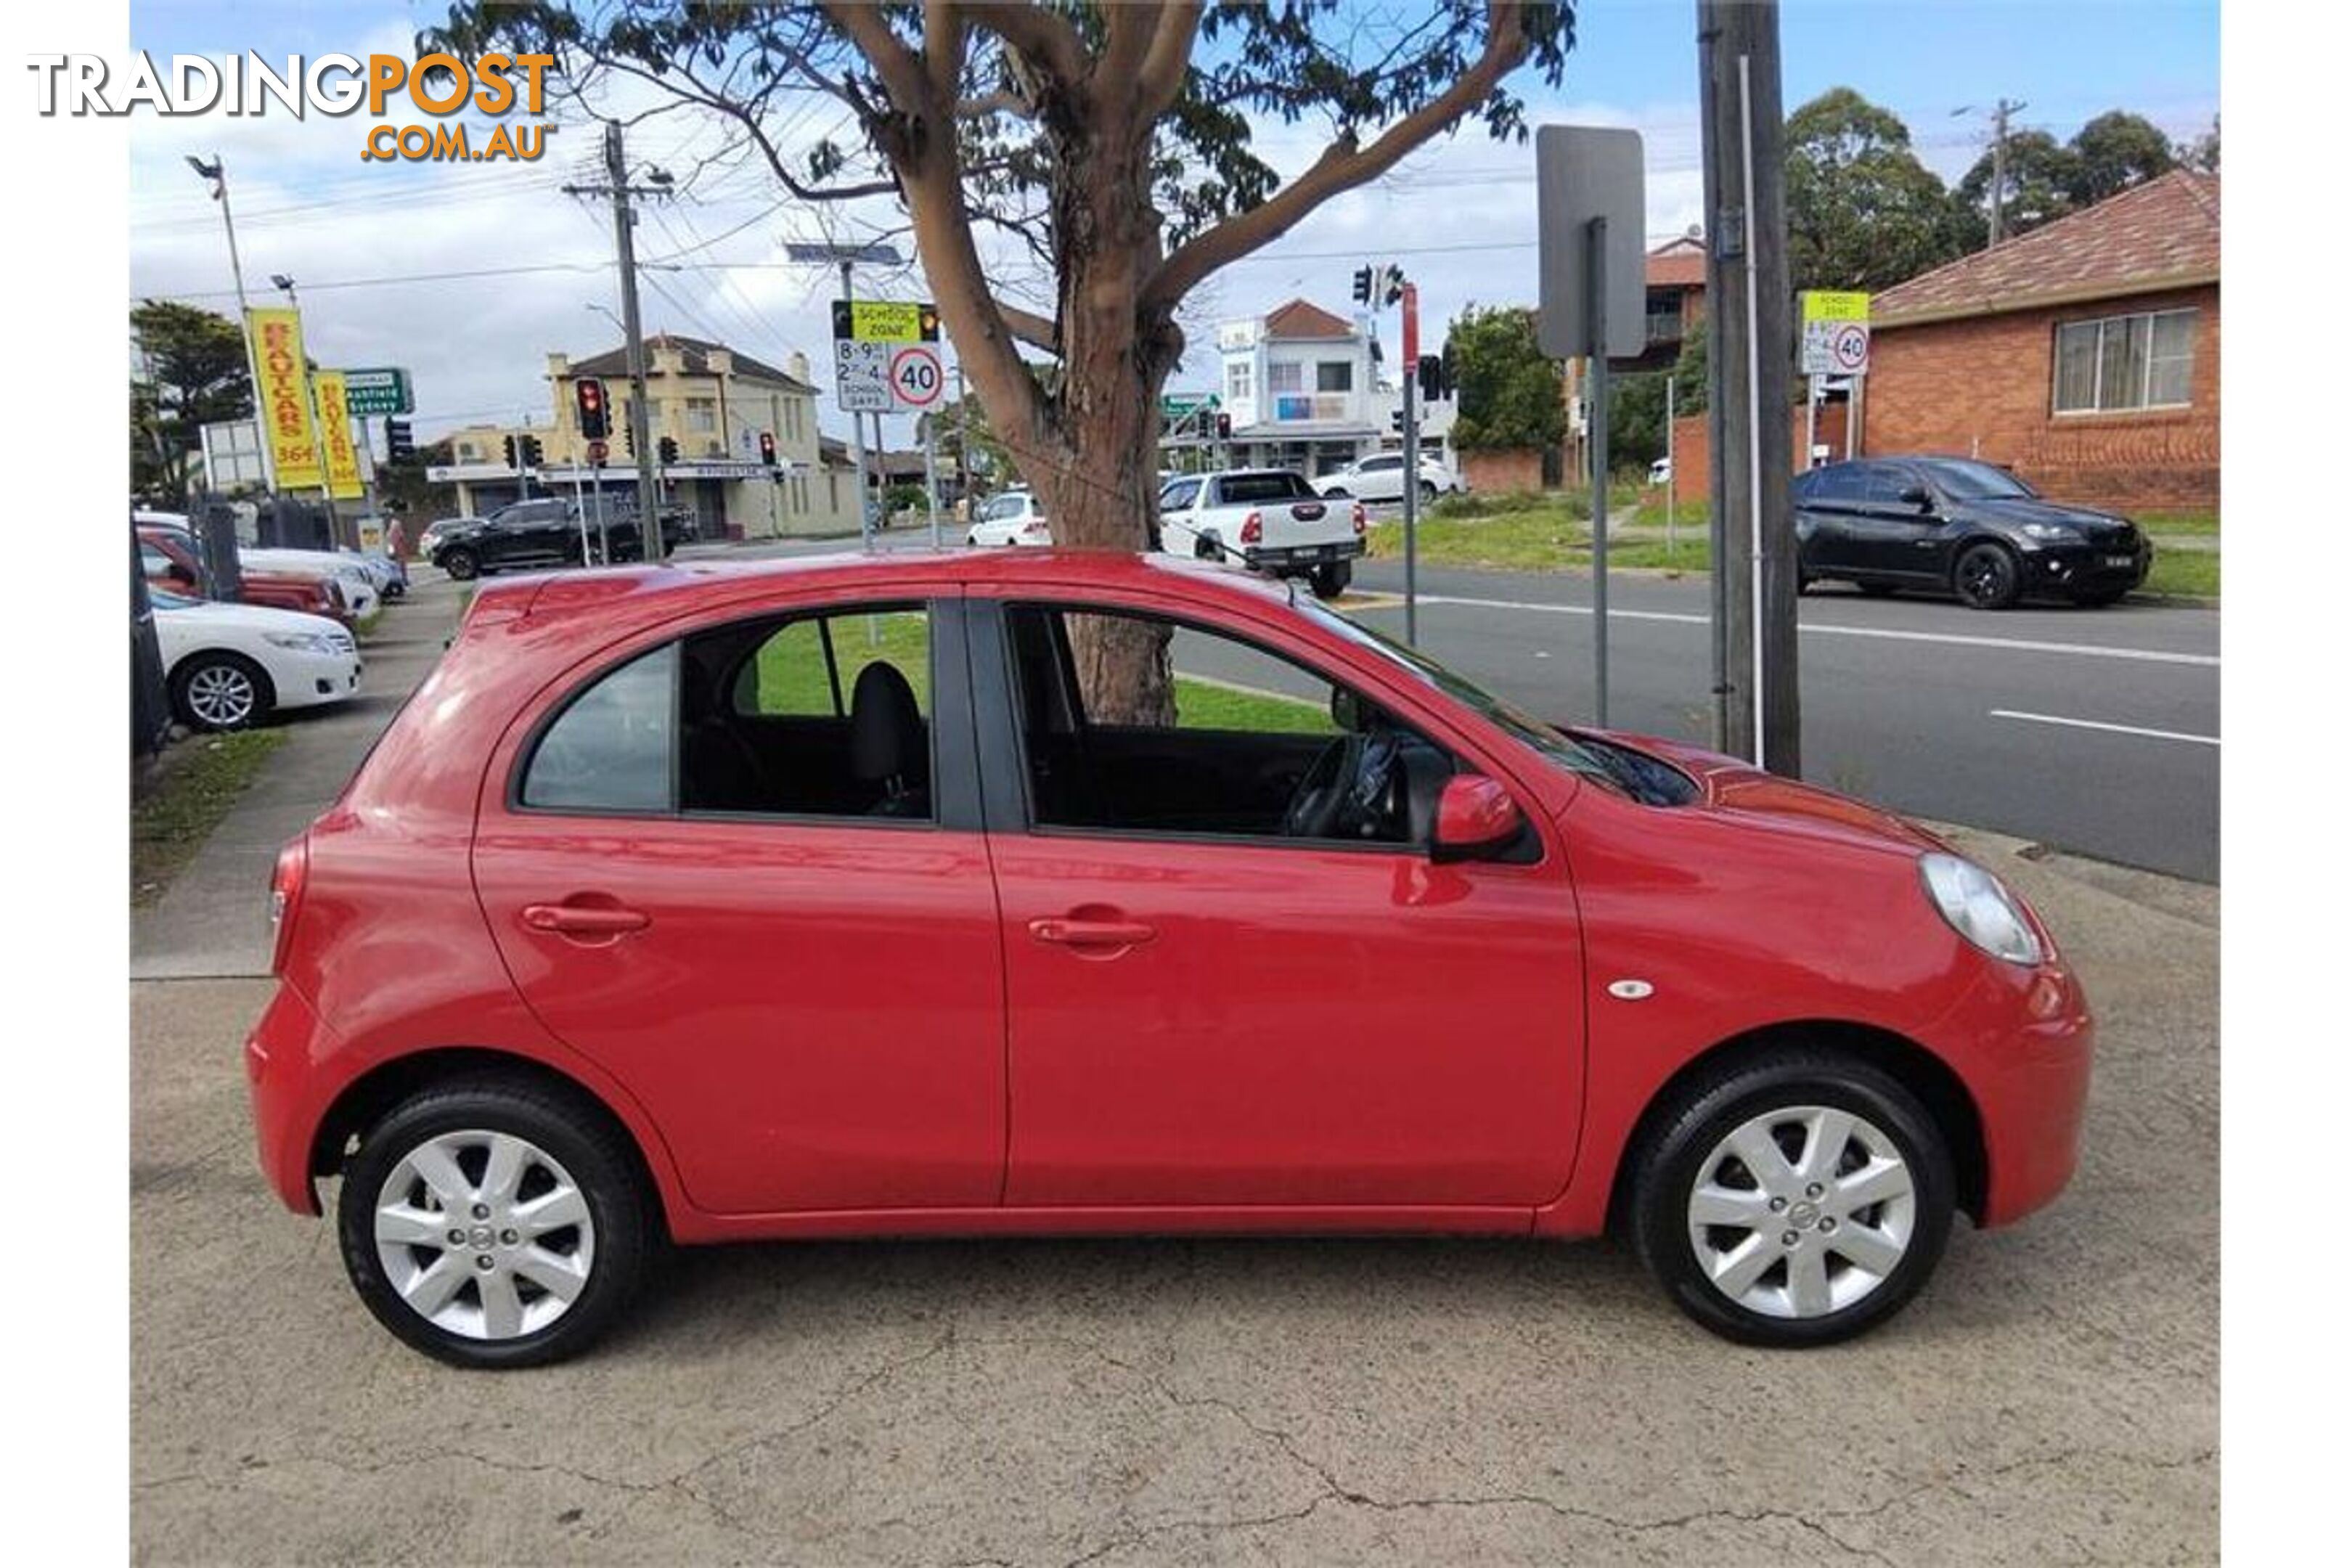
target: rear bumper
1302 557
278 1057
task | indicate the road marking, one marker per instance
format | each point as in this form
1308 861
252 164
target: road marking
2010 645
2112 729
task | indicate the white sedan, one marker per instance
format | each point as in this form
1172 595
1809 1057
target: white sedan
230 666
1012 518
1381 478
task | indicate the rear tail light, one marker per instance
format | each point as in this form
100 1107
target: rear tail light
1359 516
286 897
1253 529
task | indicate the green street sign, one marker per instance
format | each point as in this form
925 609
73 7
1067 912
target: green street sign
372 393
1181 404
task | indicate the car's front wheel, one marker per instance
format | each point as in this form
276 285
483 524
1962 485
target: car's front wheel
221 691
1428 492
491 1222
1793 1199
1987 577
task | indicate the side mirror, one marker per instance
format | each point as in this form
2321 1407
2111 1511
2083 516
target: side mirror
1475 816
1916 495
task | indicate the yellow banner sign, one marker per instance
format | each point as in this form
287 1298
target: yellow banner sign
284 397
1827 305
884 321
335 436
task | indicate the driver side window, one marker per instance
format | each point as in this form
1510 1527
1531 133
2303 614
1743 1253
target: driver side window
1232 741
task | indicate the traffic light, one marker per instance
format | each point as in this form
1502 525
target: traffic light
532 454
399 445
1396 420
1224 426
595 422
668 447
1391 284
1363 285
514 454
629 436
768 448
1445 370
1431 374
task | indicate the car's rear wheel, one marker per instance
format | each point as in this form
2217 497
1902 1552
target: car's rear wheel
221 691
460 562
1330 581
491 1222
1428 492
1793 1199
1987 577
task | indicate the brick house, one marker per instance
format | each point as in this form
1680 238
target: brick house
2085 354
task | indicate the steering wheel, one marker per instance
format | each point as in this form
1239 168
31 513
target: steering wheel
1349 787
1323 789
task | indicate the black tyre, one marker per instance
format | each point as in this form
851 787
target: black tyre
221 690
460 562
1987 577
1330 581
494 1222
1795 1198
1428 492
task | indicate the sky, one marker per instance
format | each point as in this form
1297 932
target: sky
409 264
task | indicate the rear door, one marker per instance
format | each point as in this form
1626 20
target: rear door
792 958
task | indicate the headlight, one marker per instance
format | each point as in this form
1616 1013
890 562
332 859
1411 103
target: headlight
2049 530
303 642
1973 900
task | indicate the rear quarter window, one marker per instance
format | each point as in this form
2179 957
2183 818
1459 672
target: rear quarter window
612 746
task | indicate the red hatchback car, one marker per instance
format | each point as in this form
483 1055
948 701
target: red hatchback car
844 897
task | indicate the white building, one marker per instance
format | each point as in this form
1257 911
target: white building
1300 386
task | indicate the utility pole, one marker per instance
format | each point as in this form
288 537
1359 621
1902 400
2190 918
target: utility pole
1748 355
618 189
2002 110
963 444
1411 495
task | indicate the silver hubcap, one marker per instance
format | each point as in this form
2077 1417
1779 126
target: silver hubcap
1801 1212
221 694
484 1235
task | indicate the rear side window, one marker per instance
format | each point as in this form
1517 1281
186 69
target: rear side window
1178 495
1253 490
610 748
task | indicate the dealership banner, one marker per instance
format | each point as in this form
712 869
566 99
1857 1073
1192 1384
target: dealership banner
284 396
335 436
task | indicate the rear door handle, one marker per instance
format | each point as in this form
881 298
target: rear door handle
584 920
1067 933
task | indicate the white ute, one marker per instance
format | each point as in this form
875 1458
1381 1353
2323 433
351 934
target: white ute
1271 520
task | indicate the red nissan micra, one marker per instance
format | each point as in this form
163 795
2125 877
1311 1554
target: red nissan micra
850 897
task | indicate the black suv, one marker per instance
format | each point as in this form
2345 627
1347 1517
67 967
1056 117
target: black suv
547 532
1962 527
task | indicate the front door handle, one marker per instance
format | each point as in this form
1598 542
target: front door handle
584 920
1067 931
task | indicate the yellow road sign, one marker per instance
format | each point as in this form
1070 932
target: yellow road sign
1830 305
884 321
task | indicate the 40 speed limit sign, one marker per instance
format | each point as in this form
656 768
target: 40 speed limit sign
915 378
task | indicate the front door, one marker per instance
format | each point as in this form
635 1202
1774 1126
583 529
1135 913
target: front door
1218 999
785 943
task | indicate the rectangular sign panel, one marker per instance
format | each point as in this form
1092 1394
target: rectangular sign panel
1584 173
342 460
862 376
284 396
378 393
884 321
1830 305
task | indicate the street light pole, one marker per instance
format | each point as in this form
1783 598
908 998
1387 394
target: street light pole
217 173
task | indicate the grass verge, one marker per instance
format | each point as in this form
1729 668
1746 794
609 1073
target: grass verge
191 789
2193 573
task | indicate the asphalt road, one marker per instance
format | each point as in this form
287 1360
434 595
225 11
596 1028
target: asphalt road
2096 731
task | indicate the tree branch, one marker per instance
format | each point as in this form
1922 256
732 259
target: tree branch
1044 37
1038 331
1161 77
901 71
1343 166
943 47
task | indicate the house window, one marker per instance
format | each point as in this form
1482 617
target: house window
702 415
1240 382
2118 362
1281 378
1335 375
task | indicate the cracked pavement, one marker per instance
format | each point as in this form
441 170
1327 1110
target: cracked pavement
2051 1399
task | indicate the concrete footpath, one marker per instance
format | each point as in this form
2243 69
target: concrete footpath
2051 1399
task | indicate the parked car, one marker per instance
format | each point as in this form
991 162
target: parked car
1662 471
1337 941
360 588
1956 525
171 559
547 531
230 666
1270 519
1381 478
440 528
1014 518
